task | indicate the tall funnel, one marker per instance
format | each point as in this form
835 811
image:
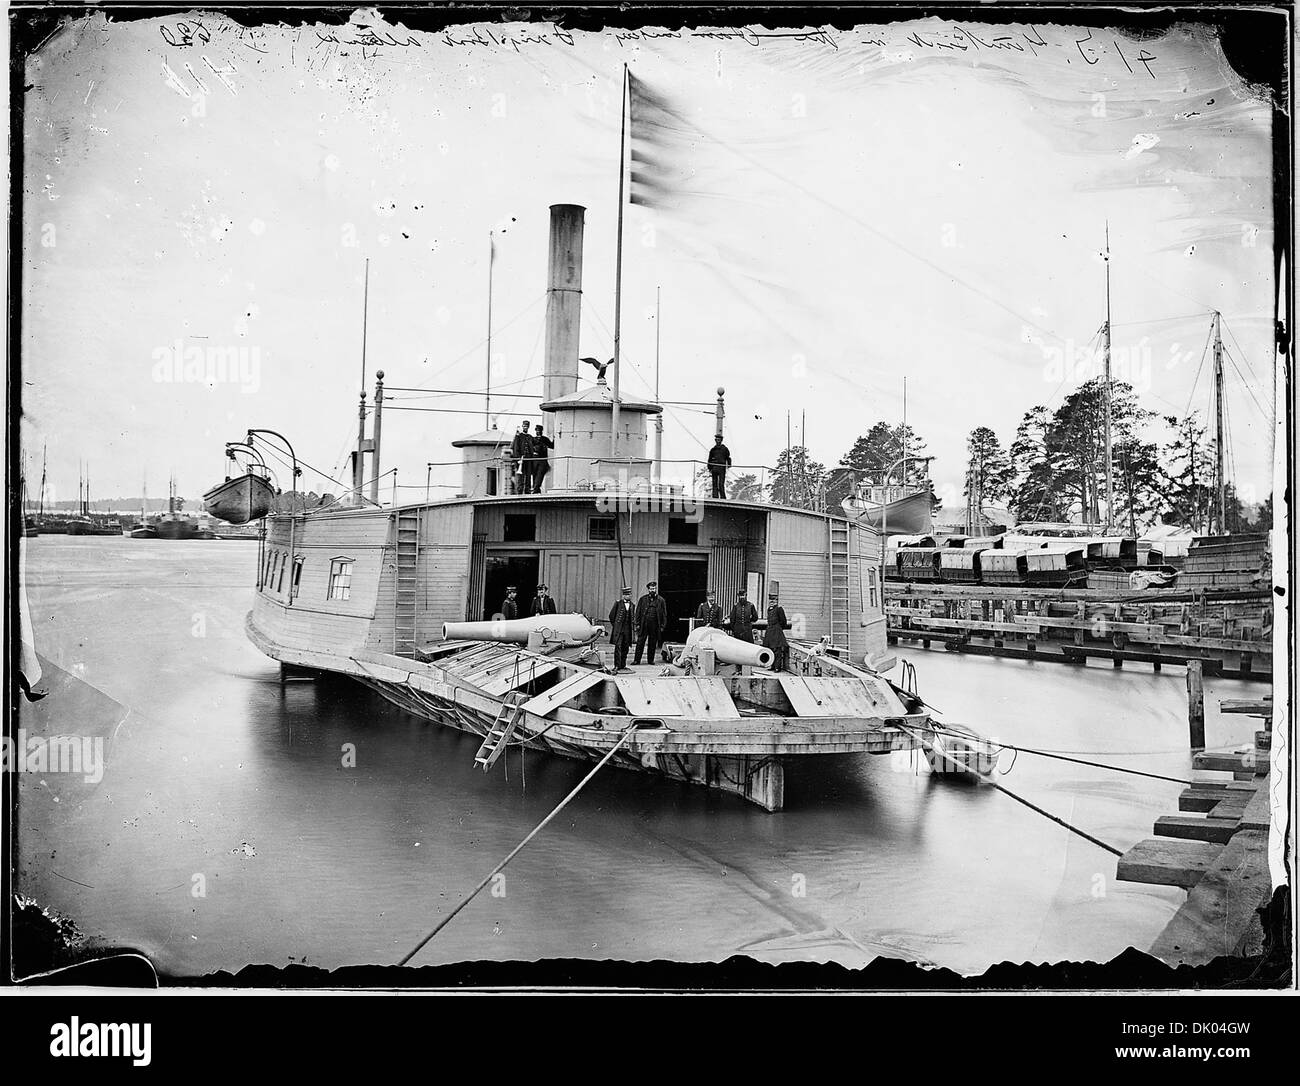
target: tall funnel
563 301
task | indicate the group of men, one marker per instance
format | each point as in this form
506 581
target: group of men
542 603
529 458
647 621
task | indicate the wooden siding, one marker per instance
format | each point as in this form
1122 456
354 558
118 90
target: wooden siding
442 575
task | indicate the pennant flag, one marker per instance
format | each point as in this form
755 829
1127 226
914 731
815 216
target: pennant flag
661 143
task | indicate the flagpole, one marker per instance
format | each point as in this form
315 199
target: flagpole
487 402
618 268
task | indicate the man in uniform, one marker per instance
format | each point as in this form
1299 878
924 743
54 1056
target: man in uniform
510 608
541 460
521 451
542 602
774 635
709 613
743 617
719 462
651 621
621 621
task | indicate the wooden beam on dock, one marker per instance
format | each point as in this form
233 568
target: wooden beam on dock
1189 828
1219 916
1164 862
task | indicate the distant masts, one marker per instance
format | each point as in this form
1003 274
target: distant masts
1110 466
487 400
1220 482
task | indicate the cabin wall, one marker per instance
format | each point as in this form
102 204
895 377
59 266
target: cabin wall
798 558
442 575
867 634
311 620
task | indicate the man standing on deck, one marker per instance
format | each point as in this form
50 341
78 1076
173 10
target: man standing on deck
774 635
651 621
621 621
510 607
709 613
542 603
719 462
743 617
521 451
541 458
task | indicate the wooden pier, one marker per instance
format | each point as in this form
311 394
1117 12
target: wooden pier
1229 631
1216 848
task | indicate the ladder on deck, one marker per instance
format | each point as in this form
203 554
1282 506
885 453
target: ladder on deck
503 727
407 552
838 559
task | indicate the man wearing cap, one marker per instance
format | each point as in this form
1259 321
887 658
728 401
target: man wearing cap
542 602
651 621
621 621
774 635
719 462
510 607
709 613
743 617
541 461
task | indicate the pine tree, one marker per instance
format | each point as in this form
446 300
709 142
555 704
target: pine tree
988 470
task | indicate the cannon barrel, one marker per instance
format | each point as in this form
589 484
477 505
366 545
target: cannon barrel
727 649
516 630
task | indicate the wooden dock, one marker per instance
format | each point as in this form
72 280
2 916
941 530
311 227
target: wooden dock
1229 631
1216 848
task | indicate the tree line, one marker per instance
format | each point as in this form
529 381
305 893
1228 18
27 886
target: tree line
1162 471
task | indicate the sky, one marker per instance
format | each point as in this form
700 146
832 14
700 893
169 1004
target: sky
925 200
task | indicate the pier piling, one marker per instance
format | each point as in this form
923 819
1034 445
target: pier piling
1195 705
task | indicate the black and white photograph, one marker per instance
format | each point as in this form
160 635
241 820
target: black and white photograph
700 498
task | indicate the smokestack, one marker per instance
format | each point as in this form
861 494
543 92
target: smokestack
563 301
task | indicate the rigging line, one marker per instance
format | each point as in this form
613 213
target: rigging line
1200 365
281 457
1267 415
1241 350
519 847
1097 765
1159 320
497 330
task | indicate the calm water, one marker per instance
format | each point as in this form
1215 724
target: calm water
220 780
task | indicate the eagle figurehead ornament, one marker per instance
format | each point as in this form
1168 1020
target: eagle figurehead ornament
601 367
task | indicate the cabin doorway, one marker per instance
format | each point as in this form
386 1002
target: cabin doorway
503 570
683 583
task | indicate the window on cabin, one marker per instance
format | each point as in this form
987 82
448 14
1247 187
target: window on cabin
872 587
279 583
297 577
681 530
340 579
601 529
520 528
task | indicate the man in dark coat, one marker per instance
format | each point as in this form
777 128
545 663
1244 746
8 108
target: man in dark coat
709 613
521 452
622 619
743 617
510 607
774 635
541 460
719 462
542 602
651 621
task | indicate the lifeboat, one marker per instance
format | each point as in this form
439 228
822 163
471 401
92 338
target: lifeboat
239 500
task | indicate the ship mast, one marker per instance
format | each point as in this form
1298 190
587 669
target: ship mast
41 500
618 267
659 418
487 400
1110 468
1220 489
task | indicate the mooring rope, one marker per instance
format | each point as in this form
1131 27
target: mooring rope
519 847
1097 765
1021 799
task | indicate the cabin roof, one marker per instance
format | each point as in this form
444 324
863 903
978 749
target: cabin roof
600 396
483 437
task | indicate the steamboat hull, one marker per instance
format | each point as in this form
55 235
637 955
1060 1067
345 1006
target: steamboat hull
742 755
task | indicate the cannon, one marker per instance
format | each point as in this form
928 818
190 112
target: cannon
571 629
727 649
